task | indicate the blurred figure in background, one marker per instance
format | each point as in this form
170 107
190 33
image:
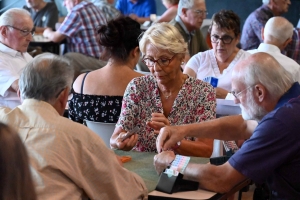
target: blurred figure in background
138 10
107 8
16 31
171 12
98 95
16 182
188 21
44 14
251 35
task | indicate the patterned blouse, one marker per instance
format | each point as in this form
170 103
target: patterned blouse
95 108
195 102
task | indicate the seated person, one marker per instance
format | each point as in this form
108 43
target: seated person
271 153
68 160
16 181
98 95
107 8
171 12
166 97
138 10
16 29
44 14
221 60
79 28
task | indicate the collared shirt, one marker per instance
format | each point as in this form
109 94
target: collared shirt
67 159
108 10
271 154
190 34
288 64
292 50
80 27
11 64
251 34
142 8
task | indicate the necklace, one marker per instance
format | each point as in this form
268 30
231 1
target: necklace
167 96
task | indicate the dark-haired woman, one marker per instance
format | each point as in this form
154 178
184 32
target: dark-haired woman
218 62
98 94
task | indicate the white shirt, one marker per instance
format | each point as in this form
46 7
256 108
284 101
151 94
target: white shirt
287 63
67 159
11 64
204 64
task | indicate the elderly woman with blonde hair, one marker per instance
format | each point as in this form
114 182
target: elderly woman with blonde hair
165 97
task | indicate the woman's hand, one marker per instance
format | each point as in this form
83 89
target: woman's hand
157 122
163 160
117 142
221 93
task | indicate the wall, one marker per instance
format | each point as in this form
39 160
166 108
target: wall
242 7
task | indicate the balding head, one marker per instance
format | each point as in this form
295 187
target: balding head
264 69
278 31
258 83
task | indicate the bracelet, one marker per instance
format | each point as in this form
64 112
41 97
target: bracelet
177 145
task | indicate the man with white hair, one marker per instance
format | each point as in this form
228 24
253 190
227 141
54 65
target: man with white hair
188 21
16 31
276 35
67 159
266 93
251 34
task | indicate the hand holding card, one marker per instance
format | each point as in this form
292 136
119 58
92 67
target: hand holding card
130 133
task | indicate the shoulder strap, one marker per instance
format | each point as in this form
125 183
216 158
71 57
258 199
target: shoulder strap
83 82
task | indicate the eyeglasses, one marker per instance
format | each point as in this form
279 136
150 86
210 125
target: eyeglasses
163 62
23 32
236 95
201 13
226 39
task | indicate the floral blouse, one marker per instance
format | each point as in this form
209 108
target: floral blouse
95 108
195 102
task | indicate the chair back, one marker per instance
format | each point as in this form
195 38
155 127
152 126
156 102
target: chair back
104 130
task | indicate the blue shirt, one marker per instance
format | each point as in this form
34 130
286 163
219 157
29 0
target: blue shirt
272 154
143 8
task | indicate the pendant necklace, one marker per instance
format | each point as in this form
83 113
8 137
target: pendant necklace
167 96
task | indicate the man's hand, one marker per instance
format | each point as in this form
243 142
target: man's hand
169 136
221 93
158 121
163 160
47 32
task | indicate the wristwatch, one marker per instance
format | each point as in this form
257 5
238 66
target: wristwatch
177 145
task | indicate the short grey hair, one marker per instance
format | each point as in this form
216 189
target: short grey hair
264 68
266 1
278 29
9 16
164 36
45 77
188 4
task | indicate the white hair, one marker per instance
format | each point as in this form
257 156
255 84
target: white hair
278 29
263 68
45 77
9 16
186 4
265 1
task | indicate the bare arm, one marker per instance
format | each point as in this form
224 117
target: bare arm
53 35
221 93
14 86
220 179
224 128
190 72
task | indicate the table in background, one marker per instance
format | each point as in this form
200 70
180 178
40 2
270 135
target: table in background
46 44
